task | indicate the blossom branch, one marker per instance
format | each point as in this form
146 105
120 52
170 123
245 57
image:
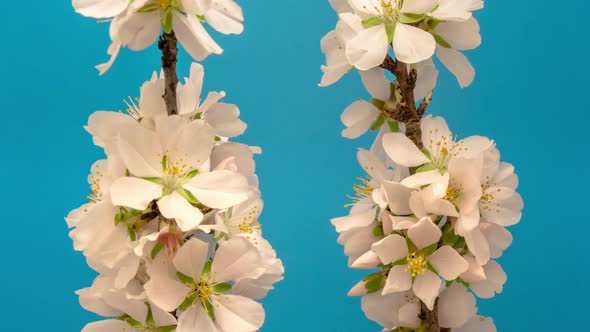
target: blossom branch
168 45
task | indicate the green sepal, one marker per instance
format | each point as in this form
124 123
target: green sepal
374 282
167 20
448 283
131 232
378 231
187 195
431 268
411 246
371 22
210 311
425 168
150 316
154 180
427 154
168 328
450 238
126 318
390 30
206 270
221 288
186 280
188 302
217 139
156 249
429 250
379 104
408 18
460 243
192 174
463 282
433 23
402 261
378 123
393 126
201 18
440 40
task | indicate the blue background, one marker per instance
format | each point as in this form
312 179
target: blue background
530 95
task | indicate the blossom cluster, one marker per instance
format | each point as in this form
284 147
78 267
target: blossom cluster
432 221
172 224
136 24
430 217
414 29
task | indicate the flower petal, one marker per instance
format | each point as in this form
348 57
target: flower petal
193 37
426 287
448 263
99 8
424 233
191 257
109 325
358 118
457 64
219 189
402 150
455 306
376 83
174 206
238 314
135 193
369 48
398 280
235 259
411 44
391 248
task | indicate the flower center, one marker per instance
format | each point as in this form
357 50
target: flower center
95 178
203 290
171 241
362 190
390 9
165 4
416 264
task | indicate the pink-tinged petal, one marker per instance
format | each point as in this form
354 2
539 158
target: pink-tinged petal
174 206
390 249
409 314
448 263
402 150
455 306
426 287
135 193
398 280
424 233
499 238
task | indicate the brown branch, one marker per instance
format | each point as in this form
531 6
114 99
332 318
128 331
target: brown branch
430 317
168 45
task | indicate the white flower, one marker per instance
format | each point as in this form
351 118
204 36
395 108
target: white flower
201 290
167 166
493 283
439 145
456 306
222 117
384 27
456 10
411 256
478 324
334 46
241 220
137 24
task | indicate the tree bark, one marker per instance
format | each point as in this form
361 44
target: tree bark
168 44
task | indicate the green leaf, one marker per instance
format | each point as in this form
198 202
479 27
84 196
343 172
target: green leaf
460 243
402 261
441 41
187 195
156 250
210 311
188 302
408 18
448 283
429 250
393 126
378 123
186 280
167 21
378 103
450 238
425 168
168 328
222 288
206 270
371 22
154 180
390 29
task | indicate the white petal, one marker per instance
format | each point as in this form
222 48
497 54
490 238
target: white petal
478 245
478 324
358 118
99 8
139 148
226 17
424 233
225 119
135 193
360 219
365 7
219 189
409 314
460 35
411 44
191 257
494 282
368 49
427 78
498 237
366 261
381 308
174 206
139 30
402 150
195 319
238 314
455 306
165 292
448 263
418 6
113 51
371 164
193 37
426 287
398 280
235 259
104 126
457 64
376 83
398 198
109 325
391 248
